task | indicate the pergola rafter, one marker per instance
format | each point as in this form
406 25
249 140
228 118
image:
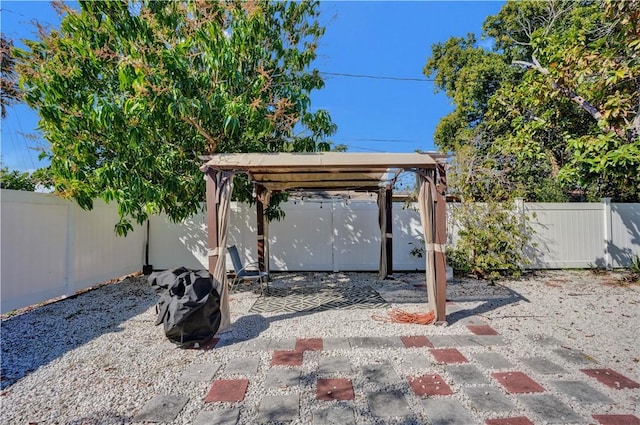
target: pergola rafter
273 172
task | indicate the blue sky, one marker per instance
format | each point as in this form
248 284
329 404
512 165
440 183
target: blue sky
386 39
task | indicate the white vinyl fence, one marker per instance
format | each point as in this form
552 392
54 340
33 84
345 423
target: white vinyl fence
579 235
50 247
314 236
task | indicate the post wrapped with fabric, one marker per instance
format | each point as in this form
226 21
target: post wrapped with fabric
219 189
432 205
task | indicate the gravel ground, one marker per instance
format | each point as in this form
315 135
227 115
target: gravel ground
97 358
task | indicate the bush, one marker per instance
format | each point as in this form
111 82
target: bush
491 240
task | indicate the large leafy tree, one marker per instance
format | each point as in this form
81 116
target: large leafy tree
130 94
553 110
9 90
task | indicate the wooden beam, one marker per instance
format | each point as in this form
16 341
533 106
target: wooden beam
212 219
389 230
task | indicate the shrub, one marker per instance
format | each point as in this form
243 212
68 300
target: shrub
491 240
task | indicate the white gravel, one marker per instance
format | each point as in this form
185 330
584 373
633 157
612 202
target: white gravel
97 358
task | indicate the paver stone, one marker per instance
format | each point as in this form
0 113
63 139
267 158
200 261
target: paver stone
334 389
387 404
617 419
230 390
517 382
161 408
550 409
446 411
218 417
334 416
429 385
611 378
581 392
284 408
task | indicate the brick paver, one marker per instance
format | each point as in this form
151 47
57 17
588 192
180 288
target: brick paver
230 390
448 355
385 391
518 420
416 341
617 419
334 389
429 385
309 344
482 330
286 358
611 378
517 382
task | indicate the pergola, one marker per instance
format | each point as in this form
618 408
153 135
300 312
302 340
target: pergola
274 172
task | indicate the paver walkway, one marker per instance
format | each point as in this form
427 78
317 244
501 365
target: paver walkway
445 379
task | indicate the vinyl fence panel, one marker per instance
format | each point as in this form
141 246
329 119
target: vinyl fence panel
567 235
304 239
625 233
51 247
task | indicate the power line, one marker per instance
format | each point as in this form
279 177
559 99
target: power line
377 77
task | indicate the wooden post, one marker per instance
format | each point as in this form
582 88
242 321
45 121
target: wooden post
389 229
260 225
440 241
212 219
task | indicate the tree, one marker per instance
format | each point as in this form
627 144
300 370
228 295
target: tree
16 180
130 94
9 90
554 108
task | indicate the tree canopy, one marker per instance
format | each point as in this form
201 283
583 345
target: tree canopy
9 90
552 111
130 94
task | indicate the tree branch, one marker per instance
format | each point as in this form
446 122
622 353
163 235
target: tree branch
568 92
212 142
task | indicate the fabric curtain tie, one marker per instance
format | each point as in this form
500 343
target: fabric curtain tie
213 252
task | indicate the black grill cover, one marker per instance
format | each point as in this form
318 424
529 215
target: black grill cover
189 305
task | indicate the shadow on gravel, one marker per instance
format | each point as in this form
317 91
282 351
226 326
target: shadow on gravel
38 337
494 297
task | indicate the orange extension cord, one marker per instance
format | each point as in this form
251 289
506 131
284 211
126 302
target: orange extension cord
400 316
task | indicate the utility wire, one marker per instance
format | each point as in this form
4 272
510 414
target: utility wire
376 77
